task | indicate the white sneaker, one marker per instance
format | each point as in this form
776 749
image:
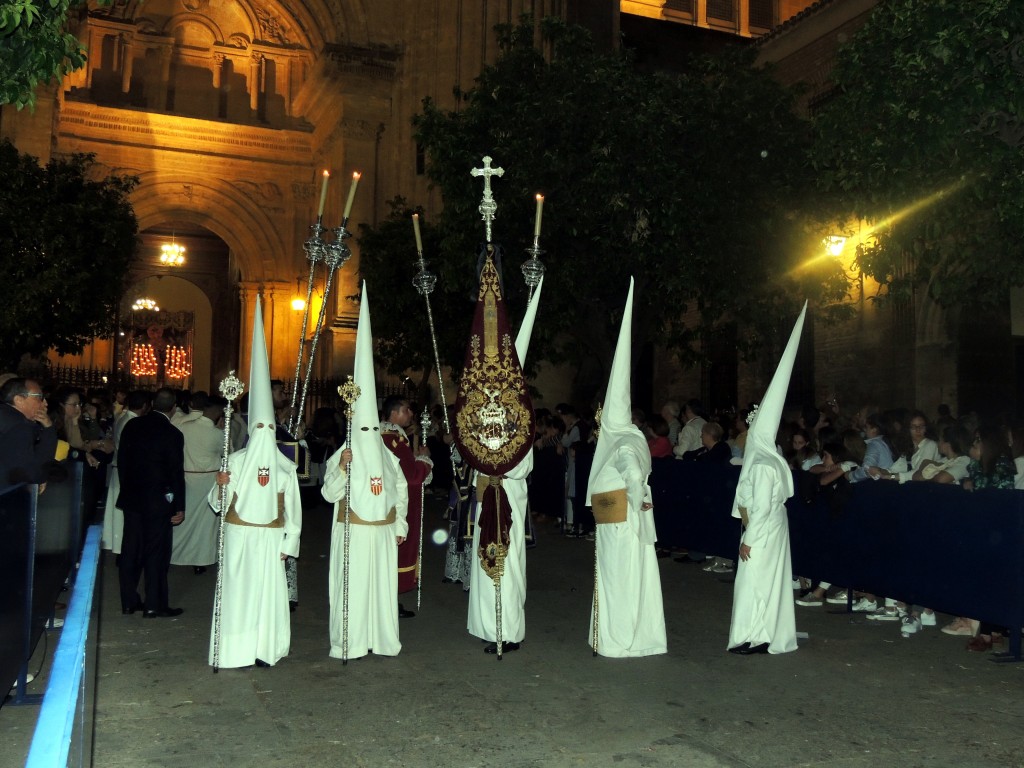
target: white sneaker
927 619
865 606
910 625
886 614
838 598
57 623
710 567
809 600
722 568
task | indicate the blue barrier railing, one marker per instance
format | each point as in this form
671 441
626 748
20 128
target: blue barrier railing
931 545
66 709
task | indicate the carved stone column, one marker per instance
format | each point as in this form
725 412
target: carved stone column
255 80
127 62
247 292
218 70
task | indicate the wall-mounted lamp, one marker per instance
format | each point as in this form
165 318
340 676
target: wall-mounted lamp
298 303
834 244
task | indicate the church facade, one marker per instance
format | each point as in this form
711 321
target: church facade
229 113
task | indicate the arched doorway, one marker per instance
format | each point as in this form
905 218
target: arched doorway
198 303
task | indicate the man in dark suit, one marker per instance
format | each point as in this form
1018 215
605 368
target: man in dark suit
28 440
151 467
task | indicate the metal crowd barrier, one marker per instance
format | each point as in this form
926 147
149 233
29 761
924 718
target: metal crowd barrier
40 539
63 734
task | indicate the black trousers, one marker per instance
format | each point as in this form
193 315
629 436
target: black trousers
145 550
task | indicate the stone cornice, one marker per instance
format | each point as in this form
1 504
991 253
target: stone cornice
172 133
374 63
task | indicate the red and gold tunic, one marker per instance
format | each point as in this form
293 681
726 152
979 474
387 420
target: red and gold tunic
417 472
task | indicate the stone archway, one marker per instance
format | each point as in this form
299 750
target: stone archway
173 294
216 205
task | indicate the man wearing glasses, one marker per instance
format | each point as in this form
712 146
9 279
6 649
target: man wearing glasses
27 437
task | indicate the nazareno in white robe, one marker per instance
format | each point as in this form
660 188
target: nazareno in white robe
762 608
195 540
113 516
373 565
481 621
630 611
255 619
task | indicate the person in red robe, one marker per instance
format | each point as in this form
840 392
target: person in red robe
417 468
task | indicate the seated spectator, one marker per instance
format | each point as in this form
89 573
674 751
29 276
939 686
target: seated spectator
657 437
547 481
877 449
713 448
694 418
1016 440
914 446
990 464
951 467
838 458
802 454
738 434
670 413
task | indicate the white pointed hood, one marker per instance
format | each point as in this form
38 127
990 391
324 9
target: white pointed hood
761 446
372 481
257 479
618 435
526 329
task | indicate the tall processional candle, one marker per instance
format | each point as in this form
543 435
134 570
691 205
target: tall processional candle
416 230
540 210
351 196
323 194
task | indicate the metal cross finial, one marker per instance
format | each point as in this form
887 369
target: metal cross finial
487 206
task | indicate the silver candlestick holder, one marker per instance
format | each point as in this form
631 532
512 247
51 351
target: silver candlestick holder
333 252
533 268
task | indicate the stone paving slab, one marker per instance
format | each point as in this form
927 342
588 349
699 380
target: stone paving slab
855 695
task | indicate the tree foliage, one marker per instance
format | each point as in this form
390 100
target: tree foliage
66 242
688 183
924 139
35 46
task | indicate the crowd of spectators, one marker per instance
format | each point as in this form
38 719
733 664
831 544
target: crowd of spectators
831 449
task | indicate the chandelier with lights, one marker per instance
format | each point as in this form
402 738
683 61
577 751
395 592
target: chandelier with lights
172 254
144 304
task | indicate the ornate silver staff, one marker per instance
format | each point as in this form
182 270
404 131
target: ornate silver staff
337 254
349 392
424 282
316 250
231 388
597 436
488 207
533 268
334 254
424 428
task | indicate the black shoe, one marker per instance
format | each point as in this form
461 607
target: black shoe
505 648
199 570
292 605
261 663
662 553
165 613
446 580
404 614
136 606
750 650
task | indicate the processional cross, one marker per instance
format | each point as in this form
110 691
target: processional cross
488 206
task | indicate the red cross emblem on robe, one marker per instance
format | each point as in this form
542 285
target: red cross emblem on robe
263 476
376 486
